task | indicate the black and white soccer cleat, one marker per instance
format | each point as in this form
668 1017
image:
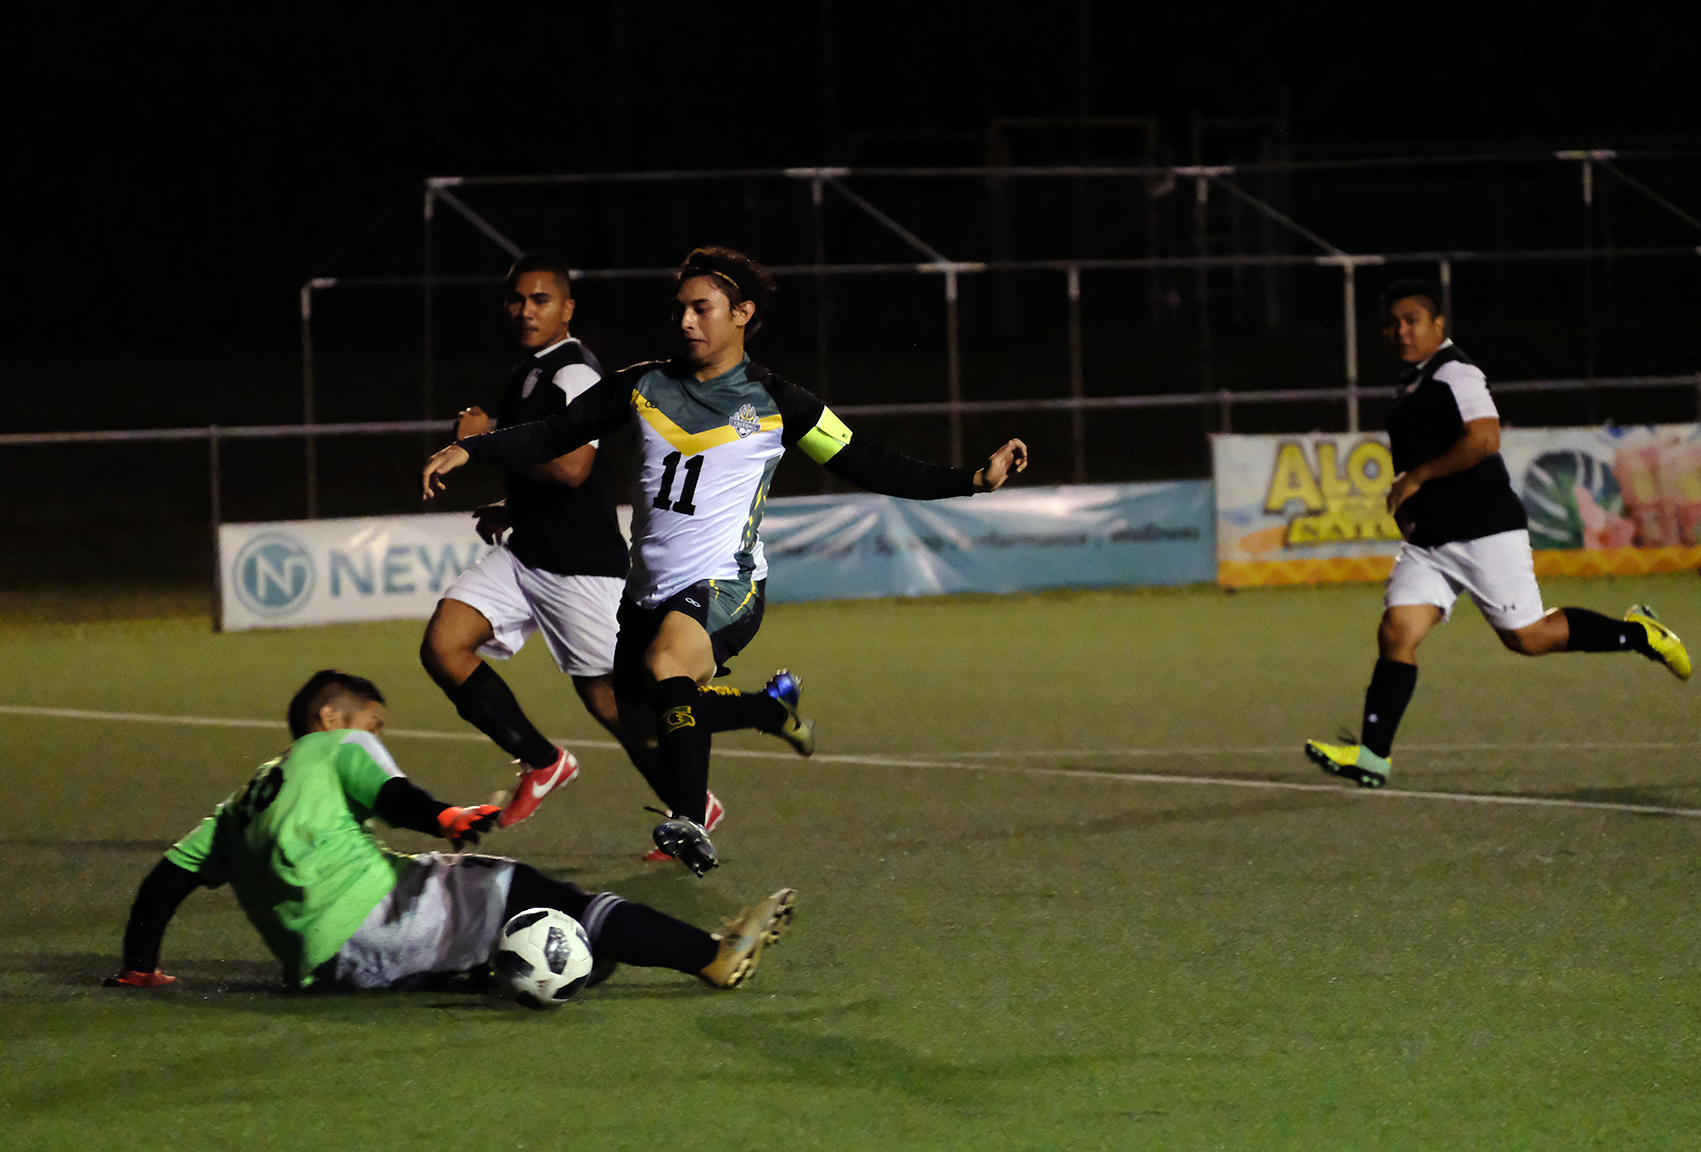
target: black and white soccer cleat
686 841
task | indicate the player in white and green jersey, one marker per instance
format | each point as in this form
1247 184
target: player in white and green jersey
337 907
712 425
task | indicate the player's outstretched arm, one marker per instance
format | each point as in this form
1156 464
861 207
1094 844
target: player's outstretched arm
1010 459
599 410
157 901
403 804
828 441
878 469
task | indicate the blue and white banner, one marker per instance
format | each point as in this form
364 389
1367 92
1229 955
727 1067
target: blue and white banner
295 572
1019 539
299 572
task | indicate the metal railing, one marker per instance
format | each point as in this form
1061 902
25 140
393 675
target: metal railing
1159 181
1224 400
954 405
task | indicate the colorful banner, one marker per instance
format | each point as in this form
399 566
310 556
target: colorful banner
1309 509
1020 539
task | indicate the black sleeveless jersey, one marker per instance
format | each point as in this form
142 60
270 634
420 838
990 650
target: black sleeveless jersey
1423 426
560 529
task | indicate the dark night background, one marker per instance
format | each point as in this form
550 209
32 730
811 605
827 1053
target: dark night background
176 171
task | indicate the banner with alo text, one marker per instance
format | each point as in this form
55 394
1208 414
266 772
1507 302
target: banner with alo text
296 572
1309 509
1019 539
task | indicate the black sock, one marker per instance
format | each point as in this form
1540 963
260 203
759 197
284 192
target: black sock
638 934
726 709
1385 702
485 702
682 742
530 888
1593 632
620 930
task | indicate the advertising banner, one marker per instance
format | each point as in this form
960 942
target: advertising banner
1309 509
1609 501
290 573
1019 539
301 572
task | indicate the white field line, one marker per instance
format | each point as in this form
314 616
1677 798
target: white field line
877 761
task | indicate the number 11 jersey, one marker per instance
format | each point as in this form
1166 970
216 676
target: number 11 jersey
707 453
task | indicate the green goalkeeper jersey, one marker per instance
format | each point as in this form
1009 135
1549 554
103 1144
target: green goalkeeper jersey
294 847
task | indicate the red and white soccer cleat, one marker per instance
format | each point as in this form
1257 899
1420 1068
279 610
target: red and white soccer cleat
711 819
534 785
132 979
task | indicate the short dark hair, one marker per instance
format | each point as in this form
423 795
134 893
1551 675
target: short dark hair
1407 289
327 686
542 262
736 274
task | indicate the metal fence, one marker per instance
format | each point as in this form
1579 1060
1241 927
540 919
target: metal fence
1214 188
1209 242
1223 401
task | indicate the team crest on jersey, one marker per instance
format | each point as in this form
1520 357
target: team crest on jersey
531 382
745 421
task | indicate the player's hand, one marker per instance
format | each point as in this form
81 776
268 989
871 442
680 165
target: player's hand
491 521
472 422
1404 485
1011 458
445 461
463 825
132 979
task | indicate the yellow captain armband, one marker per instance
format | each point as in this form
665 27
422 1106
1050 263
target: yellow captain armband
822 442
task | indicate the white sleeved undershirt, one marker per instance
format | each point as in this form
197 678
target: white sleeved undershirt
380 754
1470 391
573 380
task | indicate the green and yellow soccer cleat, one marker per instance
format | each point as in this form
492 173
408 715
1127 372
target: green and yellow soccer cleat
1668 649
1353 762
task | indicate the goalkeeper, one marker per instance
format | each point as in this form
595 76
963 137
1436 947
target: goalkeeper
339 909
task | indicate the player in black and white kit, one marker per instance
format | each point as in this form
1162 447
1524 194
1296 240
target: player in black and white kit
562 567
1465 531
712 426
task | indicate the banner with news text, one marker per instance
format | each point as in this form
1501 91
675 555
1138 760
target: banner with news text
296 572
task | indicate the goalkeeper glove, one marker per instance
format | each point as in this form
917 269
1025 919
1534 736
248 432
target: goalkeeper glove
463 825
132 979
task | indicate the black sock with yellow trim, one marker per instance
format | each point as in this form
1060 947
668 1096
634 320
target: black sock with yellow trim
682 743
728 709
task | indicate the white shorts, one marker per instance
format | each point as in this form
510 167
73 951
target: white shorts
575 613
1498 571
443 916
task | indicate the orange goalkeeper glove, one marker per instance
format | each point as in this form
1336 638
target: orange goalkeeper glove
463 825
131 979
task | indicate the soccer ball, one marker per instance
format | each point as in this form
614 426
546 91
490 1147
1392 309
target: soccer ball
543 958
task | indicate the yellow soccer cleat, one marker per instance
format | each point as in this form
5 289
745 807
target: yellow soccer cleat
1353 762
742 939
1668 649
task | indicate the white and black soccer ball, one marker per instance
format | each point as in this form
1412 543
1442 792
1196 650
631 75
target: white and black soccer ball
542 958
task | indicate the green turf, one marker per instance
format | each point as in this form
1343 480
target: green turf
985 956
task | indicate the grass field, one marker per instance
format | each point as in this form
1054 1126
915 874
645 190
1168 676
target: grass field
1009 934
